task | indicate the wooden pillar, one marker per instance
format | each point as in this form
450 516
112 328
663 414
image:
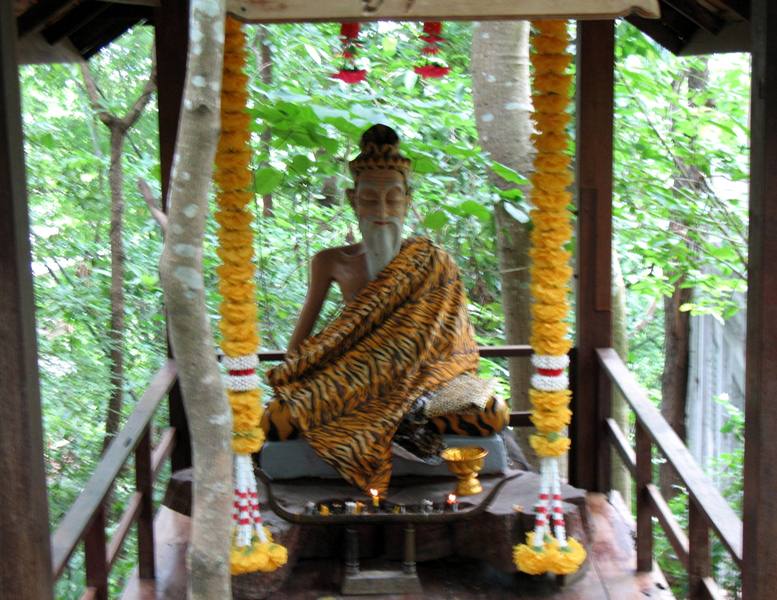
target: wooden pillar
589 461
171 26
25 567
760 489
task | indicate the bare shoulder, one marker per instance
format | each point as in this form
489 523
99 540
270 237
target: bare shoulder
334 257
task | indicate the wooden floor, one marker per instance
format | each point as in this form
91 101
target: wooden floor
608 574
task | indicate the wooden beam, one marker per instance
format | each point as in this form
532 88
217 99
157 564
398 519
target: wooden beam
40 13
285 11
25 566
76 19
591 403
695 13
760 501
171 39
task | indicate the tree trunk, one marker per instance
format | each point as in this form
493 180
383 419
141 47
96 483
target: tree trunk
677 324
621 478
116 332
502 97
118 127
191 338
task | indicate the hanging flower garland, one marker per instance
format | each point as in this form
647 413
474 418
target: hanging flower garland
349 38
547 548
432 38
252 545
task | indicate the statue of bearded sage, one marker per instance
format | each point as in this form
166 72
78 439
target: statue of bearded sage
397 366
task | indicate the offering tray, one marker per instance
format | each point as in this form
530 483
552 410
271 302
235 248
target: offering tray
288 498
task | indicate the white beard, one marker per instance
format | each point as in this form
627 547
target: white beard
381 241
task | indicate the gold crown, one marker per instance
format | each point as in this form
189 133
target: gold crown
379 149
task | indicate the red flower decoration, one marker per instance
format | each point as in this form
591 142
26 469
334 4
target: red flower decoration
432 71
433 27
432 39
350 76
431 49
349 31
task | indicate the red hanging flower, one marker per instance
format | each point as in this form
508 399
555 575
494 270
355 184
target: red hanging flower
349 37
350 31
433 27
432 71
432 38
350 76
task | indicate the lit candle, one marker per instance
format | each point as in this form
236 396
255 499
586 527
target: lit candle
453 503
375 498
324 510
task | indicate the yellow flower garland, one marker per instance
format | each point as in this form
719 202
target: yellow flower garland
236 277
550 279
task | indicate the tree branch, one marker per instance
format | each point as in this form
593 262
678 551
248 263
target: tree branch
141 101
153 204
94 96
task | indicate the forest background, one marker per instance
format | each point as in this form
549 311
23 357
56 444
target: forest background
681 169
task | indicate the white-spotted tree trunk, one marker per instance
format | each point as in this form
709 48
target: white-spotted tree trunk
180 267
501 87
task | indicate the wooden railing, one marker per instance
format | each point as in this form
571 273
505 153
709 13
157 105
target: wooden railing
707 509
517 418
86 519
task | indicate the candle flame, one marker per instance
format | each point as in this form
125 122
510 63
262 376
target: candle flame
374 492
451 498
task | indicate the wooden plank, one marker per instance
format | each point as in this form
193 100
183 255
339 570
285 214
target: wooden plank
717 511
520 418
485 352
644 514
24 568
126 521
81 16
285 11
595 63
162 451
694 12
40 13
699 552
73 526
760 500
711 591
618 439
674 533
90 593
144 483
171 41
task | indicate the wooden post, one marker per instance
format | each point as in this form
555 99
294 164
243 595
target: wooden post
25 570
760 500
171 22
590 456
644 475
699 550
96 556
144 483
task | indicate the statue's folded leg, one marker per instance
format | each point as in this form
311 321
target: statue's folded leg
493 418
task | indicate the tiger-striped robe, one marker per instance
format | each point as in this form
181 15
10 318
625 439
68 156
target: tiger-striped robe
407 332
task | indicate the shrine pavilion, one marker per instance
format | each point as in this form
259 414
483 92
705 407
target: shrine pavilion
34 558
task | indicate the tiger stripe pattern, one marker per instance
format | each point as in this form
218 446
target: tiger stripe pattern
347 388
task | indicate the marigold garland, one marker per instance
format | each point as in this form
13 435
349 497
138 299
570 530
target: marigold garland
550 278
252 545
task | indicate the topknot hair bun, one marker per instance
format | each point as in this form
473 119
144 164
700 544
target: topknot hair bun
379 149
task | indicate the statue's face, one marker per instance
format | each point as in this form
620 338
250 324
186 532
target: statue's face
380 201
380 196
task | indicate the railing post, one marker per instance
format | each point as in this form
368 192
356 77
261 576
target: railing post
644 513
699 552
144 483
96 555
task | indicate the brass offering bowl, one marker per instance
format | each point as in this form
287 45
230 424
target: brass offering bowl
465 463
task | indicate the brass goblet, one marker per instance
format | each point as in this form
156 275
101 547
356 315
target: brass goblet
465 463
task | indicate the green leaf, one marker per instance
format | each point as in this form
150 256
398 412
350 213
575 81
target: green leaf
436 220
516 212
471 207
266 180
411 77
300 164
508 174
424 164
313 53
